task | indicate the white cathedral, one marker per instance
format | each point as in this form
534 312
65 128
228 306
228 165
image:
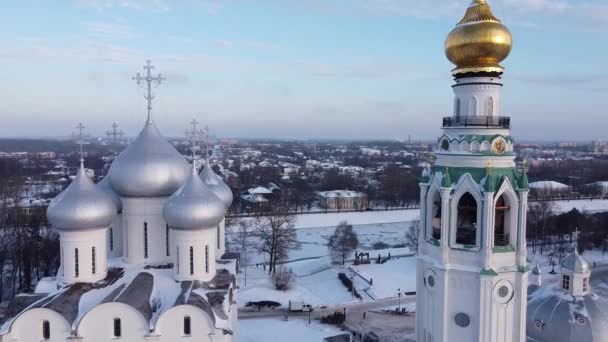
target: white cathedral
142 254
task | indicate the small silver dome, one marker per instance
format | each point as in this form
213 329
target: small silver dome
82 205
148 167
217 185
106 187
575 263
194 206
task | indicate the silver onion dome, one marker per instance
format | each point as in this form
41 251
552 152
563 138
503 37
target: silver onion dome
217 185
148 167
106 187
82 205
194 206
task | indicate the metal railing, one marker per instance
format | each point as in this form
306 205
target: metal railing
477 121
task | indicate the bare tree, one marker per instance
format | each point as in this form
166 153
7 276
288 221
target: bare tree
411 236
276 231
241 234
538 214
282 278
343 242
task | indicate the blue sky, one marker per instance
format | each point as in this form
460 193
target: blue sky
292 68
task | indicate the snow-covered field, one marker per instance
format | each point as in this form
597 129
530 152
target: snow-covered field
388 277
276 330
591 206
356 218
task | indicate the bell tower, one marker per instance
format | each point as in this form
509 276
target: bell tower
472 274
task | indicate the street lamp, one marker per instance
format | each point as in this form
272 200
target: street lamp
399 295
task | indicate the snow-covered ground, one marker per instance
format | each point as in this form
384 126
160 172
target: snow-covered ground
356 218
587 205
388 277
277 330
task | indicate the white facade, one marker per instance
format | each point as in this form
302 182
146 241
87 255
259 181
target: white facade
477 96
83 256
194 254
145 231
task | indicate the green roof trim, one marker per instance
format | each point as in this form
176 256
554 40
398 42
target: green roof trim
433 242
477 137
524 269
446 180
479 175
503 249
489 272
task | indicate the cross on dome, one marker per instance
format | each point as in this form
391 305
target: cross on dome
149 80
80 137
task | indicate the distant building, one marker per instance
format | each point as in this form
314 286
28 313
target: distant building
343 200
600 146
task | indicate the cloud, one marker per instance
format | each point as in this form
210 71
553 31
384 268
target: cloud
111 30
138 5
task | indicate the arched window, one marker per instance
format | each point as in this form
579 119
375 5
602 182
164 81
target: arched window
177 258
76 266
46 330
501 220
457 108
466 223
490 106
146 240
436 217
473 106
191 260
93 261
207 259
117 327
187 327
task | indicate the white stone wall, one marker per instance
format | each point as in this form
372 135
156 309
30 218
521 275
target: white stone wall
220 244
27 327
136 212
97 325
197 240
477 96
84 241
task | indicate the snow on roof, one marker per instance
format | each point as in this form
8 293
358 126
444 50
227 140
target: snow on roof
151 291
341 194
260 190
548 185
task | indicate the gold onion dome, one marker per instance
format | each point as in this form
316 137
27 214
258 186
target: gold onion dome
479 42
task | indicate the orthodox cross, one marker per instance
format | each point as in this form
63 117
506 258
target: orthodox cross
80 138
149 80
194 134
115 133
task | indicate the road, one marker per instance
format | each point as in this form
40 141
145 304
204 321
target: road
356 307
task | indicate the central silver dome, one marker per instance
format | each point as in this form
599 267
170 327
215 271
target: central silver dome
149 167
194 206
81 206
217 185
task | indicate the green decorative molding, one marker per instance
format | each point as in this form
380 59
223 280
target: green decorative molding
489 272
503 249
524 269
433 242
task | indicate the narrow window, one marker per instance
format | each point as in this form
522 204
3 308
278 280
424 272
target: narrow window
76 273
501 231
490 110
111 239
167 239
117 328
191 260
436 217
218 237
473 106
46 330
585 284
207 259
187 330
466 224
93 261
146 240
566 282
177 258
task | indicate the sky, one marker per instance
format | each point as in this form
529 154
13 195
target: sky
301 69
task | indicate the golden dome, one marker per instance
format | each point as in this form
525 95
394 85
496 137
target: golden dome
479 42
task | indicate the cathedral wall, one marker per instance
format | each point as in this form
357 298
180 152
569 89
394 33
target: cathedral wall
464 299
98 324
82 261
117 237
202 264
138 213
29 327
170 326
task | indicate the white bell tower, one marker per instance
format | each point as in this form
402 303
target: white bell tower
472 274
